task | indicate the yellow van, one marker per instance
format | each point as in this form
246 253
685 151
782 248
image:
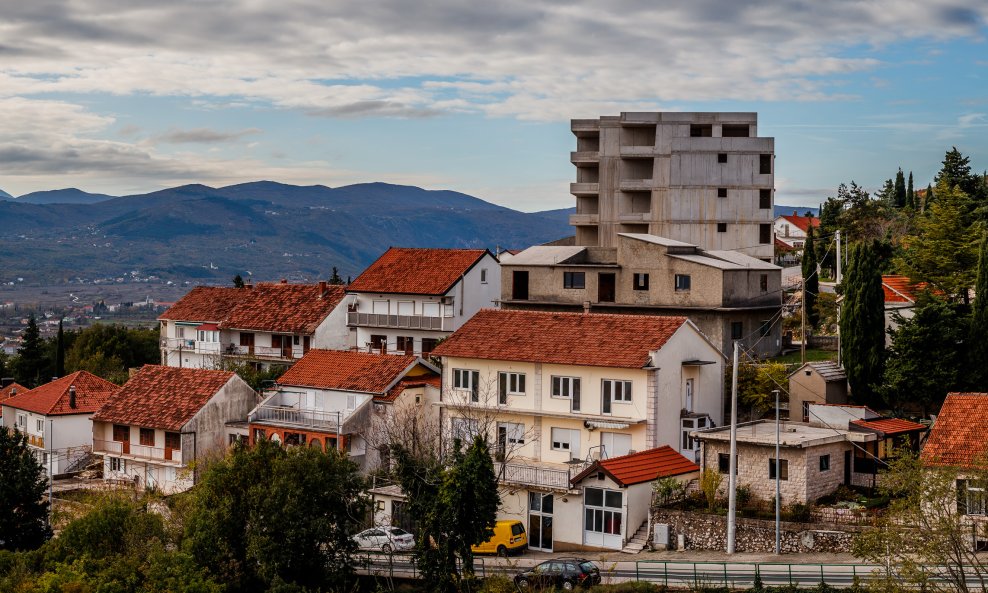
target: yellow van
509 537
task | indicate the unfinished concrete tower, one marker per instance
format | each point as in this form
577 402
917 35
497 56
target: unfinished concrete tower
701 178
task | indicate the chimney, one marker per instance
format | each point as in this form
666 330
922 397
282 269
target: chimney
13 392
586 307
72 396
248 284
794 213
284 281
322 288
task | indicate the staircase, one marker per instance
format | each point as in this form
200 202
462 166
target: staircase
637 542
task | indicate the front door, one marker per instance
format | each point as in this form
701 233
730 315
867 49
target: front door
519 285
603 518
540 521
605 288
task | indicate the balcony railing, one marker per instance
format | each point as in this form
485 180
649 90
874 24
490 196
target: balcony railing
263 351
128 449
355 318
191 345
584 189
538 475
303 417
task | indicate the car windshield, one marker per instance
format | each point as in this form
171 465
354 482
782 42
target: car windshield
397 531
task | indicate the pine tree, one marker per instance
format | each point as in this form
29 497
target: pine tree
977 344
900 189
23 513
335 278
60 351
862 325
31 366
238 281
910 194
928 198
811 279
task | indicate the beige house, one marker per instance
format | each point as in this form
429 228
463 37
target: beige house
727 295
822 382
557 391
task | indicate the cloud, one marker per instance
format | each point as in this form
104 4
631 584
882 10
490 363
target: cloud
201 136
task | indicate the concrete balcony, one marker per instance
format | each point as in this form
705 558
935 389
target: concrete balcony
541 475
635 185
297 416
357 319
128 450
581 219
588 127
585 157
194 346
638 152
584 189
635 217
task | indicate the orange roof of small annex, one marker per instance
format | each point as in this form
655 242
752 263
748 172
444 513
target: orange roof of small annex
52 399
645 466
957 438
163 397
406 270
205 303
347 370
9 391
290 308
900 289
890 426
594 339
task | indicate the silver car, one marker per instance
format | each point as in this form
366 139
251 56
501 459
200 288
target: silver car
385 539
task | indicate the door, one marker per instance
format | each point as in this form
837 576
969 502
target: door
689 396
247 343
540 521
519 285
605 287
603 518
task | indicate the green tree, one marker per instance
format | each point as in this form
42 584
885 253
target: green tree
830 212
470 500
23 513
267 513
108 350
862 325
32 367
60 351
977 345
925 359
944 249
956 172
335 277
910 194
928 198
756 381
238 281
900 189
811 279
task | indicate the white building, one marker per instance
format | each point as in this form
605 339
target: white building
409 299
792 229
56 418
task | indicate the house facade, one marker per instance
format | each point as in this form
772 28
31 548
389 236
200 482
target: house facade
409 299
820 382
270 323
56 417
728 295
555 392
9 389
164 419
792 229
332 399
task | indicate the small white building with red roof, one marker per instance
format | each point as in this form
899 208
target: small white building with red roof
165 418
791 229
410 298
56 417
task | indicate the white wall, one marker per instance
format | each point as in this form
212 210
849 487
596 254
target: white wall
333 333
67 435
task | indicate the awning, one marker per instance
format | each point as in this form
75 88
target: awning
695 362
208 327
607 425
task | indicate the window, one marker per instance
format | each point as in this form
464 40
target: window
721 227
566 439
430 309
510 384
971 498
783 469
237 438
701 130
737 330
39 425
464 429
682 282
763 282
121 434
641 281
467 380
689 425
117 465
428 345
406 308
173 441
724 463
765 164
378 343
721 192
722 158
406 344
764 233
22 420
598 518
509 433
568 388
147 437
825 463
615 444
380 307
296 340
483 275
764 199
574 280
619 391
806 411
259 434
735 131
765 328
209 336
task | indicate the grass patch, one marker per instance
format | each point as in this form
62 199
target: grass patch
812 355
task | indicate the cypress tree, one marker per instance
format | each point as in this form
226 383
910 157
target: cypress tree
30 356
910 194
928 198
900 189
60 352
811 280
862 325
977 344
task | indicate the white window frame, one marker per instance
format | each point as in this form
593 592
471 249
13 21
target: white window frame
22 420
464 429
39 425
976 498
611 448
688 425
431 309
514 432
515 382
566 440
567 387
376 305
406 308
121 465
483 275
619 396
463 379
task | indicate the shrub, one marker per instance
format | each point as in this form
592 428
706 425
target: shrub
710 481
497 584
798 512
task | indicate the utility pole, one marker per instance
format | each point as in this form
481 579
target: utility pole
778 485
732 481
802 340
837 239
51 475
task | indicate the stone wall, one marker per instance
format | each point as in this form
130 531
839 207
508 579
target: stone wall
709 532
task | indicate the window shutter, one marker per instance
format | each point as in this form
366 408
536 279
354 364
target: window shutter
961 497
576 395
475 386
502 388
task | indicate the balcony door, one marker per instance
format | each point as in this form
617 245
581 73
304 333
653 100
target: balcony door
605 287
247 343
540 521
519 285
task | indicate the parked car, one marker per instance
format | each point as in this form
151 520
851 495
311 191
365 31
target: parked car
386 539
509 536
564 573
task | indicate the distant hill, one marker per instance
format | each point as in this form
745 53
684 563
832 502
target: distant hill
68 195
800 210
273 230
5 196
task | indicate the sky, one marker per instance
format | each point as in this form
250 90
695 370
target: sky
130 96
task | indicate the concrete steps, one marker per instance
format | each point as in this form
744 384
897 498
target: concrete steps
638 541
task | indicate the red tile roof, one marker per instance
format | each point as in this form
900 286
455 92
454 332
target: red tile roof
288 308
890 426
802 222
403 270
411 383
52 399
163 397
205 303
593 339
957 438
347 371
646 466
6 392
900 289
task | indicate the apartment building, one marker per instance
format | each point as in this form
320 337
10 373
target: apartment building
728 295
558 391
701 178
270 323
409 299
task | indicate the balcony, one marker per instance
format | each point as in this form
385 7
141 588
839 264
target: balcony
288 415
586 157
582 127
283 353
578 219
36 441
195 346
355 319
635 185
130 450
584 189
539 475
638 152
